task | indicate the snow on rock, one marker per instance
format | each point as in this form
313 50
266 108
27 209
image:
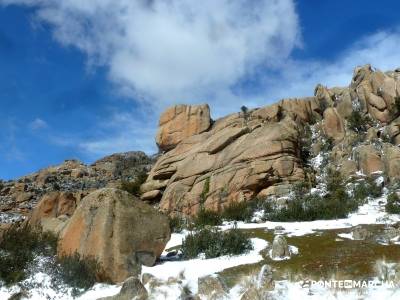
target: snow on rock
348 236
293 250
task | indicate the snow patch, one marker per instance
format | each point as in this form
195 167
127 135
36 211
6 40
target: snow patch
196 268
372 212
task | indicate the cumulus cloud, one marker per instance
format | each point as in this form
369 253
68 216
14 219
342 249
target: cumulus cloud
167 51
160 52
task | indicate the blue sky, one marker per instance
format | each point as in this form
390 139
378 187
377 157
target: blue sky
83 79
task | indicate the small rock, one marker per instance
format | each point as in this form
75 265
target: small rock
265 279
147 277
131 289
212 287
146 258
252 293
280 248
360 233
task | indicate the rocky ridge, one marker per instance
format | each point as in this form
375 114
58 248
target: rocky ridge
260 152
71 180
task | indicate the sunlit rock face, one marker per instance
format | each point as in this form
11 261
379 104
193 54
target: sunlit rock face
258 152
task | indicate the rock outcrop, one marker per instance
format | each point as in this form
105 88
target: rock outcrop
238 158
71 179
258 153
180 122
117 229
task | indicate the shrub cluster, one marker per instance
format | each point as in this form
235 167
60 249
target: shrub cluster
133 187
77 272
18 249
177 224
304 144
215 243
20 246
359 122
239 211
393 204
366 188
304 206
207 217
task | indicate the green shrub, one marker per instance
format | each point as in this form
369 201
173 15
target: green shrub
77 272
313 207
304 206
207 217
327 144
393 204
238 211
133 187
205 191
366 188
18 248
177 224
244 211
215 243
359 122
396 110
305 142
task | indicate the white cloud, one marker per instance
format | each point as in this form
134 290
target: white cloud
168 51
38 124
298 78
161 52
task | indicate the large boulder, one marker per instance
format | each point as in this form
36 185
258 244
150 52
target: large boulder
180 122
369 159
333 124
117 229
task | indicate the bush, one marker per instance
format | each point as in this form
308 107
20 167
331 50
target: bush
393 204
133 187
77 272
215 243
359 122
204 192
238 211
396 110
18 248
366 188
313 207
304 144
327 144
207 217
244 211
177 224
304 206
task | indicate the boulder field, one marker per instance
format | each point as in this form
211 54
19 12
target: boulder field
258 152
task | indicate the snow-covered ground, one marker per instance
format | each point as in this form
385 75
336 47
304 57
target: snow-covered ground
190 270
195 268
